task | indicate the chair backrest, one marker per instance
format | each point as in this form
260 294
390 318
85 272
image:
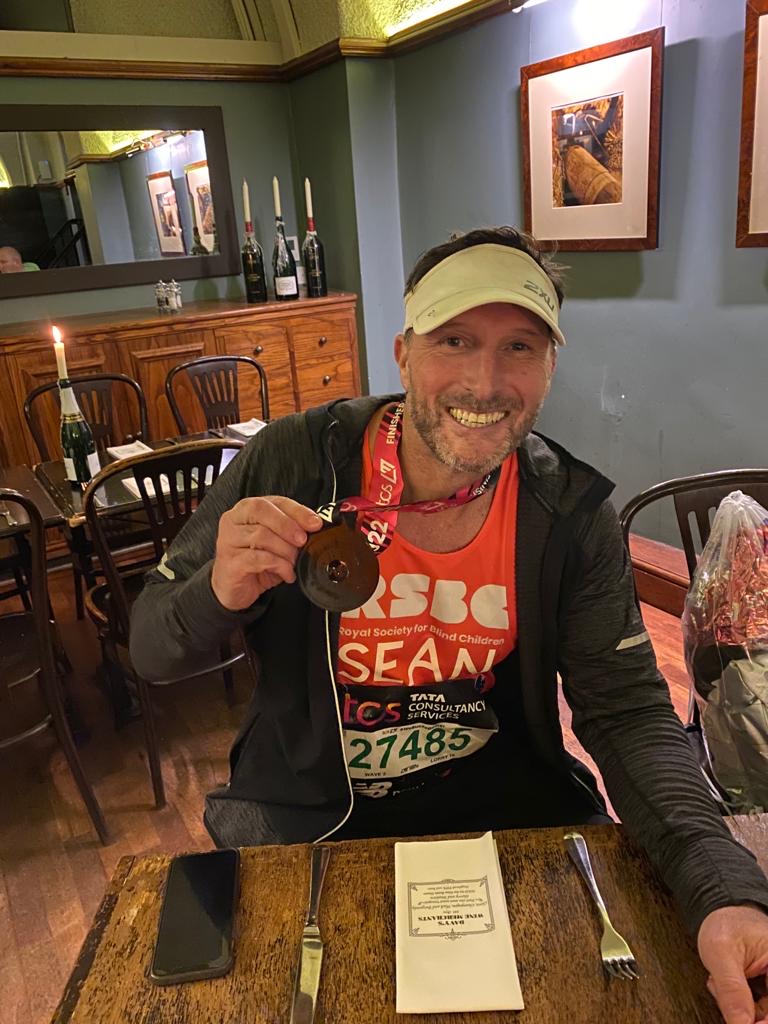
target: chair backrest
214 382
23 709
94 394
697 496
171 483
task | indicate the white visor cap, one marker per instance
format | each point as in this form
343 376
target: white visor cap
476 276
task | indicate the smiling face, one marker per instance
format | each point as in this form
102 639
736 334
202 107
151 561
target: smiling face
474 387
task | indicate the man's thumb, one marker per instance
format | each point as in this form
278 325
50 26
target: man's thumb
733 995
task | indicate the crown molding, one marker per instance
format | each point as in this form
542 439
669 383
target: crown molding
14 61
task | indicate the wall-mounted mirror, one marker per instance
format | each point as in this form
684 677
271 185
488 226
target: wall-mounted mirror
100 197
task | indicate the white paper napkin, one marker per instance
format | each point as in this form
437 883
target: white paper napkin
130 484
248 428
454 947
125 451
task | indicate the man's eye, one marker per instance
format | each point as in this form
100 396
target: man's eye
452 342
520 346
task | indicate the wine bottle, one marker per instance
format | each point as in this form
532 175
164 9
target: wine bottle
80 459
283 263
312 252
252 257
198 249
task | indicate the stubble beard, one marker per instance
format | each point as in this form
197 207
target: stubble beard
428 424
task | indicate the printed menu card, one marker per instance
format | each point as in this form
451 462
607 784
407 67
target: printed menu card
454 947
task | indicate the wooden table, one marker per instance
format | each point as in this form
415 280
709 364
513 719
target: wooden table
554 927
117 498
22 479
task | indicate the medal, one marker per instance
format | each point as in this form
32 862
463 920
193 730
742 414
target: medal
336 568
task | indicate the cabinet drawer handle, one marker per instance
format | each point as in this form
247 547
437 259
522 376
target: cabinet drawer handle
327 378
258 350
323 341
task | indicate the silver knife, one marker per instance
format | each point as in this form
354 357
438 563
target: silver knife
311 953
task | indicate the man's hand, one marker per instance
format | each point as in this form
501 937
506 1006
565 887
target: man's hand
256 548
733 946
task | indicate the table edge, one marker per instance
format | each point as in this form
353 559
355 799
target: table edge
81 969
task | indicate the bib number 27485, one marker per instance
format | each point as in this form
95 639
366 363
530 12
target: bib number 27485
398 751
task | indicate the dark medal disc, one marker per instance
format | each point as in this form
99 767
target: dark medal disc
336 568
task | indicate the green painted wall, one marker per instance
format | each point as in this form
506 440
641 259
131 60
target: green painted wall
665 368
322 150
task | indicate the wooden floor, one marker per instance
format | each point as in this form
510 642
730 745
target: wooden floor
53 870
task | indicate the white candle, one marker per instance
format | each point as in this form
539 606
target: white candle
58 348
308 198
246 202
276 197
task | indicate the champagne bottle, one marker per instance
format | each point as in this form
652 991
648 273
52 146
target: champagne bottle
80 459
283 263
312 252
252 258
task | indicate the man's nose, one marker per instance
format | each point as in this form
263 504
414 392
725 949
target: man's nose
482 377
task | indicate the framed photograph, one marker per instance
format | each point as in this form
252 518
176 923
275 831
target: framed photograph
201 198
752 215
165 212
590 138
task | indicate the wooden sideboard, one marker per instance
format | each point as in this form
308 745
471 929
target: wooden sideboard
308 349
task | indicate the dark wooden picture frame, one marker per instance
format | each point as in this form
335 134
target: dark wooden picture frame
745 236
653 40
54 117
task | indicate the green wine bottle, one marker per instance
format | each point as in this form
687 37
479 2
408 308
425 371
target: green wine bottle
80 458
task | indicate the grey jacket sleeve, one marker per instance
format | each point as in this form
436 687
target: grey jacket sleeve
623 716
177 623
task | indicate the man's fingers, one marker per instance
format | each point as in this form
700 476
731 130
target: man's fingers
261 538
733 995
264 562
284 516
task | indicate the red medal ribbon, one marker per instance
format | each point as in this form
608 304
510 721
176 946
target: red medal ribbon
381 510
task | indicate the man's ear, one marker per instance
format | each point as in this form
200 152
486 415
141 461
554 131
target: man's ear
401 355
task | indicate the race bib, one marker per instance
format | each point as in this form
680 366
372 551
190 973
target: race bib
401 737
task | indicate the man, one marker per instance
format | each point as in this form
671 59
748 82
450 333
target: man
433 707
10 260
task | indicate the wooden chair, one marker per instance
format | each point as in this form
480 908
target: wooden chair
697 496
214 382
189 469
14 562
30 688
96 395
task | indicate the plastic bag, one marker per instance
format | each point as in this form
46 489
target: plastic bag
725 632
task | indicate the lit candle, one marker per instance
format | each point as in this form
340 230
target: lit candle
58 348
246 202
308 198
276 197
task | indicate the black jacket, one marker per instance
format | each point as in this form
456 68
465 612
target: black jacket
577 616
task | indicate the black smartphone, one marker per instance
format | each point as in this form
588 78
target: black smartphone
194 938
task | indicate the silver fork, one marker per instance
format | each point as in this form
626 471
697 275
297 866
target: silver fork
618 959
